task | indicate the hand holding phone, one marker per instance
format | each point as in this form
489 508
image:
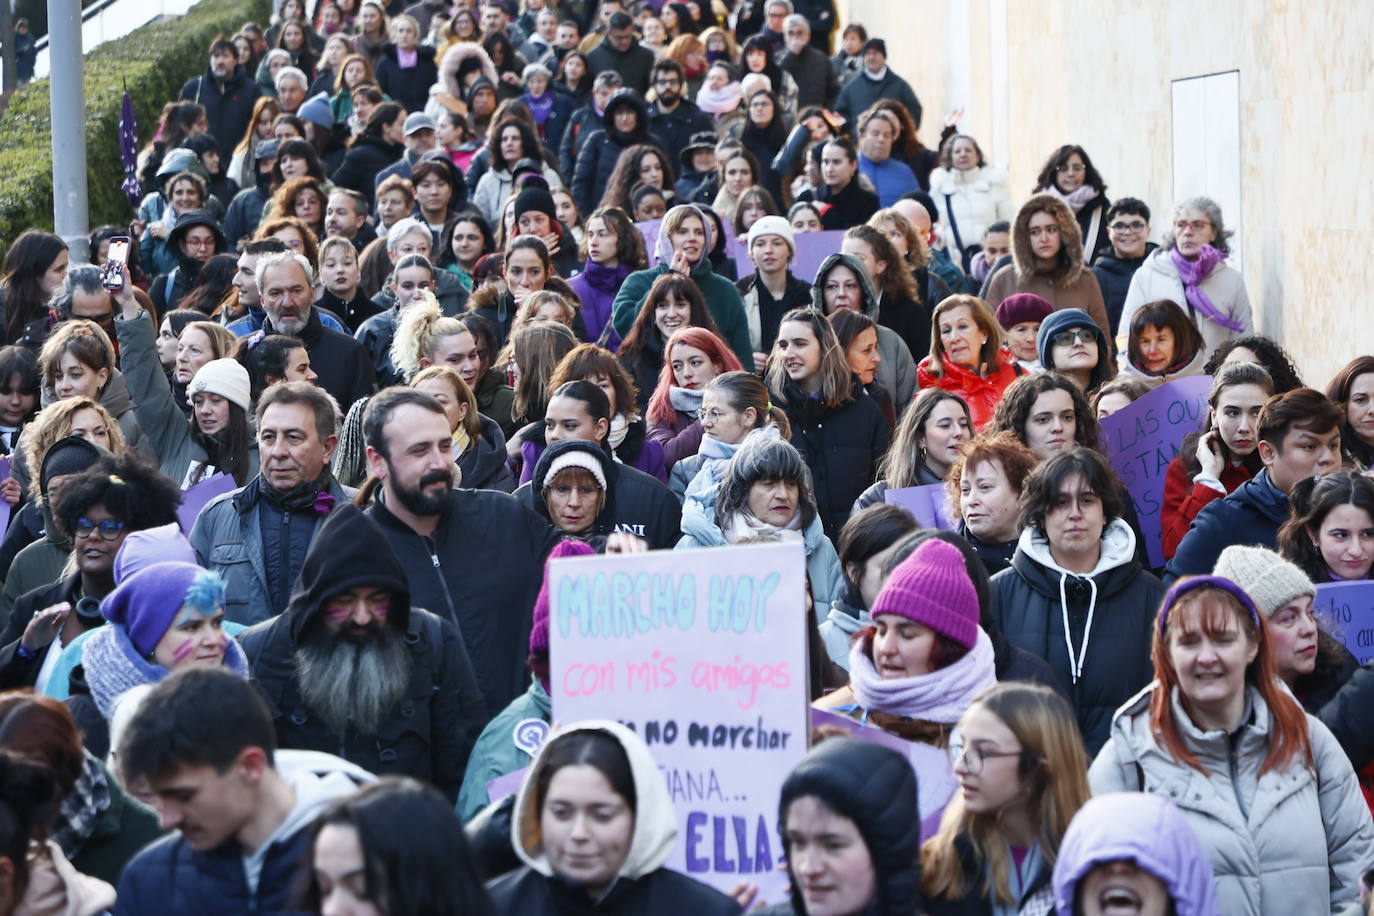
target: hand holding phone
112 274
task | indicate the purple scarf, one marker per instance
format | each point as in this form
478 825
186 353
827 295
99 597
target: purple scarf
540 106
1192 273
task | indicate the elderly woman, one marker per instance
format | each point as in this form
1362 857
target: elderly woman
970 195
1190 269
766 495
967 356
571 482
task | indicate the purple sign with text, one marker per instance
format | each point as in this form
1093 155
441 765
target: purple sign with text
703 654
1142 438
812 249
929 503
1346 610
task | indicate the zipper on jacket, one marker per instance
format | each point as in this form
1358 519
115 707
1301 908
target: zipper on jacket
439 571
1234 765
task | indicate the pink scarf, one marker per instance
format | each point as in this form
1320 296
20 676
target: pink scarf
940 696
1192 273
719 102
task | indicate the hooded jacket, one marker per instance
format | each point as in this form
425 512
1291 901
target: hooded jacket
602 148
409 86
1280 842
1065 320
1107 615
1192 367
1064 287
504 746
897 372
483 465
228 104
722 298
981 394
1251 514
1158 278
170 878
635 502
452 60
633 64
1144 829
1114 278
485 584
343 365
643 887
170 288
699 529
430 732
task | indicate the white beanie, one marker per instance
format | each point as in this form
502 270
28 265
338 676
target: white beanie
772 225
224 377
576 458
1269 579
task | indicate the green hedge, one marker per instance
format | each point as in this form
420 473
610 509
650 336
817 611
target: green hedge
153 62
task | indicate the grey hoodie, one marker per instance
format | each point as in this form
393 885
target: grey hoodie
897 371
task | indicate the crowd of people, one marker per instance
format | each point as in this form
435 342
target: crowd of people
430 294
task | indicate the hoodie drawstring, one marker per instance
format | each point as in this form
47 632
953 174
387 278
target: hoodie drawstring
1076 662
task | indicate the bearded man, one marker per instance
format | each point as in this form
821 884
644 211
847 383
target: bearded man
352 669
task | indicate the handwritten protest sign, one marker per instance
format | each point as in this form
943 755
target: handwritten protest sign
929 503
1144 437
195 498
935 779
1347 612
812 249
703 654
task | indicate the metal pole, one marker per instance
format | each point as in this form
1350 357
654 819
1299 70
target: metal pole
68 106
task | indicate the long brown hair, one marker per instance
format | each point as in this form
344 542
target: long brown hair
989 358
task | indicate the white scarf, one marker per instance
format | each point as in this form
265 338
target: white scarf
620 428
876 77
687 400
745 525
940 696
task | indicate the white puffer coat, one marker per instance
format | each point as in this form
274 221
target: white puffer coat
1289 841
978 198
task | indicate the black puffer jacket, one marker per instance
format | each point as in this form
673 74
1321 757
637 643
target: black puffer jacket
364 160
875 788
228 104
840 444
431 731
602 150
635 502
481 569
1111 612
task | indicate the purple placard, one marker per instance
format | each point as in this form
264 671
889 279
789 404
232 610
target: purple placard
1144 437
502 786
929 503
1347 612
812 249
195 498
935 779
5 508
703 654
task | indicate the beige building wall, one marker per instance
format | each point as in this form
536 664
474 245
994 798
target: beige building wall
1034 75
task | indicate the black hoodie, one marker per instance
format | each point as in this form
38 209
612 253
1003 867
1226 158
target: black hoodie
431 731
170 288
602 150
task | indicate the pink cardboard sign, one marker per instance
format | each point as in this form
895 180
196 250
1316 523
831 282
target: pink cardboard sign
703 654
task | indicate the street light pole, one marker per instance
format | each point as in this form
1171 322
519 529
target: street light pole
67 95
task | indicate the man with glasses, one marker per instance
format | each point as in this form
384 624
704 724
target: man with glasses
673 118
817 82
195 239
619 51
1128 227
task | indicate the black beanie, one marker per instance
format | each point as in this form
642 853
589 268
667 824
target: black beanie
69 455
533 200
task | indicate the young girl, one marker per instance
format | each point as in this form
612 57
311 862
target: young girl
78 361
1330 531
692 358
924 447
1022 777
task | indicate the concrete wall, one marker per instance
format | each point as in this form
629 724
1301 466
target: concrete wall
1034 75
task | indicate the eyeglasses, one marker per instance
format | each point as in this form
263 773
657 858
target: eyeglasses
1071 168
1127 227
714 414
973 757
1197 225
668 81
1071 337
109 529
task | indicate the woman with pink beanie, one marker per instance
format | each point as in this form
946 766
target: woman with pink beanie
924 659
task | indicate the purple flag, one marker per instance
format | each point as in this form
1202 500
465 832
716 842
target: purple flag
128 151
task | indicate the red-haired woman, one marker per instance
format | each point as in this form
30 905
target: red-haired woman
1265 786
691 358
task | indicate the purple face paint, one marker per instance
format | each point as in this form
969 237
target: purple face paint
183 651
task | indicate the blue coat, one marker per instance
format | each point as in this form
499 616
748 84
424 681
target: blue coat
1250 515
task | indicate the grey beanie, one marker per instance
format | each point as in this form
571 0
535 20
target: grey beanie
1267 578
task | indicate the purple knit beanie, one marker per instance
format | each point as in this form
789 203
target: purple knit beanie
1022 307
931 587
539 628
146 604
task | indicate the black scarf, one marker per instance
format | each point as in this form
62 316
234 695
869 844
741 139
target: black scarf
310 496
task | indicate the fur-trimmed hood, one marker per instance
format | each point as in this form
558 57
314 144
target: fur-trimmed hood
1070 262
453 59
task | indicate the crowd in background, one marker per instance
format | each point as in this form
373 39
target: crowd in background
434 293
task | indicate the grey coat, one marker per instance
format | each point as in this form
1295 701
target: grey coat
229 542
1281 842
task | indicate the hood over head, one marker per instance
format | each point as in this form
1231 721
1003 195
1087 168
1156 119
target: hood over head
588 451
188 221
881 805
141 549
181 159
1065 320
663 246
349 550
870 292
634 100
461 57
655 829
1146 830
1069 263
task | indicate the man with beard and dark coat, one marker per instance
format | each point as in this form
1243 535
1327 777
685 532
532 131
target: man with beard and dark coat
474 557
351 668
227 94
195 239
286 285
672 117
257 536
625 123
620 52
